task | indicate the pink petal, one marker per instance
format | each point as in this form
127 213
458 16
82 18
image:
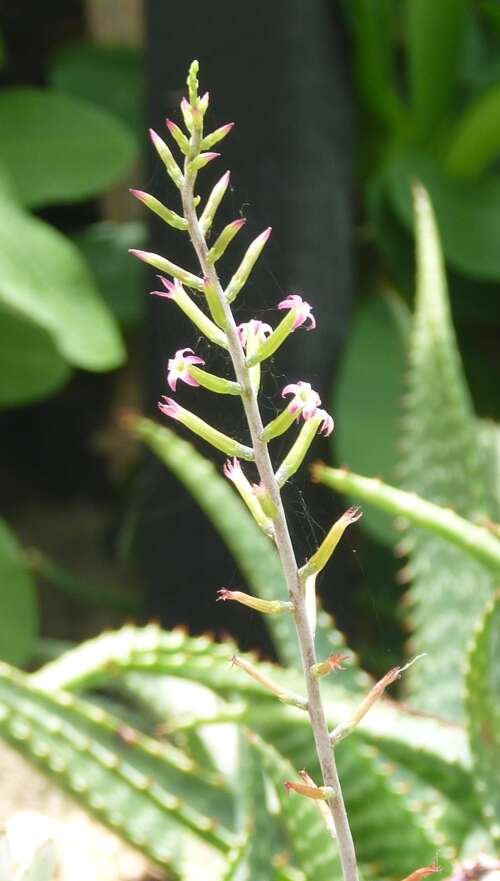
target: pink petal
292 388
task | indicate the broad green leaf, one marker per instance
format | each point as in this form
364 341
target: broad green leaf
120 280
18 605
30 365
434 34
312 844
61 149
441 463
45 280
475 143
365 397
109 76
467 212
373 25
483 710
254 553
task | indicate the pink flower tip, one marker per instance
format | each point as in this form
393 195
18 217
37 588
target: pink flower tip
237 224
224 594
327 424
254 327
171 124
141 255
265 235
171 288
209 156
154 136
169 408
139 194
303 310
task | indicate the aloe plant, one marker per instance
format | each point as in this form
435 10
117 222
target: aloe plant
206 779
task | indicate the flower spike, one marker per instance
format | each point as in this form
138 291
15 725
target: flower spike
174 291
178 368
301 309
198 426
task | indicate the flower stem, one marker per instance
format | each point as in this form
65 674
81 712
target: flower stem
282 536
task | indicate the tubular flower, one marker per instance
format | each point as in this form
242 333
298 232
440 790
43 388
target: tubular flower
305 400
303 310
220 441
252 333
174 291
178 368
234 472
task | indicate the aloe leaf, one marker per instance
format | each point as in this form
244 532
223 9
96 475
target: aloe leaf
477 541
263 840
364 395
441 462
313 846
255 555
483 710
113 771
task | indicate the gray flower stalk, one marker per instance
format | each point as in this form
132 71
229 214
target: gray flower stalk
248 347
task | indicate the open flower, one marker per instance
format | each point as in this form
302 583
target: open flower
178 368
303 310
305 400
252 333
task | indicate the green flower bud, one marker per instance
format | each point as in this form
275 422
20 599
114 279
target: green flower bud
200 161
213 202
226 236
240 277
217 439
179 137
273 342
192 82
320 558
160 209
321 421
167 158
234 473
214 303
174 291
187 278
214 383
216 136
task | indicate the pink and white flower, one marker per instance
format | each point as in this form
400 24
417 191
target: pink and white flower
303 310
305 400
254 331
178 368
